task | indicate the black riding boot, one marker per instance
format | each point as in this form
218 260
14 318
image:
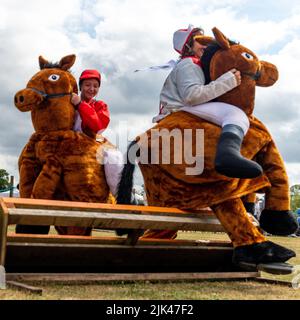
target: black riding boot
229 161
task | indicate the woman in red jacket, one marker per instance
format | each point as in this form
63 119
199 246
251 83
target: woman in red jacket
93 115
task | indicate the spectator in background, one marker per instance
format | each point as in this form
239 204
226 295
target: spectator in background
259 206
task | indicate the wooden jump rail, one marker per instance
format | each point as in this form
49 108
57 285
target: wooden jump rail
107 216
93 215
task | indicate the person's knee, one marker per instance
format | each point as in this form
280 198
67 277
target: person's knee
239 118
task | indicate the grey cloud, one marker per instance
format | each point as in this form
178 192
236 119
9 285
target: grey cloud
277 110
277 107
288 143
105 65
136 95
16 128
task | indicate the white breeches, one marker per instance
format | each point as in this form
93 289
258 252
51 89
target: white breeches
220 113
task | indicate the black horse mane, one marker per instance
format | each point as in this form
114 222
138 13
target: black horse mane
55 65
208 54
51 65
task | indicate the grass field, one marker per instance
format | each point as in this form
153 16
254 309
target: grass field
212 290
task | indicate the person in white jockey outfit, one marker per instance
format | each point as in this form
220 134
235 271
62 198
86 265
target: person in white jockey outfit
185 90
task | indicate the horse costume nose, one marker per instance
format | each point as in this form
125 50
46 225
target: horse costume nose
19 99
24 100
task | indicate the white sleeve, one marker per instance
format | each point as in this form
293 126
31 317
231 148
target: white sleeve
192 88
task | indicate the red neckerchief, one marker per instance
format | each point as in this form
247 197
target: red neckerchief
195 59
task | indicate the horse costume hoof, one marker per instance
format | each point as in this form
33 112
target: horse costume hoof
264 252
280 223
273 268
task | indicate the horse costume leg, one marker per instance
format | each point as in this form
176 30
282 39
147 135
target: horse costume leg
43 188
73 231
47 181
276 218
246 202
235 220
278 196
29 171
84 183
250 246
159 234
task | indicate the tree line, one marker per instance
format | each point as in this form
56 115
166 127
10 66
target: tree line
4 179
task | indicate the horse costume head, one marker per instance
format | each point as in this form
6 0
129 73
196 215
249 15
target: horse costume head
223 55
48 96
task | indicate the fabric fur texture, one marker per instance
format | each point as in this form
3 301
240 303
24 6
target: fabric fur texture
58 163
168 185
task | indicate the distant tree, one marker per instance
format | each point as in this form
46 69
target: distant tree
295 197
4 179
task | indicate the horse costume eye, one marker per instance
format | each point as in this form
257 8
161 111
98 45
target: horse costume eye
53 77
247 55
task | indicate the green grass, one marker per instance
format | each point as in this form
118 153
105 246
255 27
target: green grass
208 290
180 290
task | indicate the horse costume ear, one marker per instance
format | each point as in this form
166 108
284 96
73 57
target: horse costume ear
67 62
204 40
222 41
75 88
42 62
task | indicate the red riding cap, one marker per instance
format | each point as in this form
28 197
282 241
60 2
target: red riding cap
90 74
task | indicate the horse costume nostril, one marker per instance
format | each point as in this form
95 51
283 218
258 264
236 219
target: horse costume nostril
21 99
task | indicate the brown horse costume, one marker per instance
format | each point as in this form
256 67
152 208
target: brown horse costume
168 185
58 163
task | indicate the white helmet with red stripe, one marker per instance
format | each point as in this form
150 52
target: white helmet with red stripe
181 37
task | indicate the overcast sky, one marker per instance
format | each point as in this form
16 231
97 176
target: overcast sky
119 36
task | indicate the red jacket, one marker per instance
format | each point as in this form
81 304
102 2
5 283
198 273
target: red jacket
94 115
